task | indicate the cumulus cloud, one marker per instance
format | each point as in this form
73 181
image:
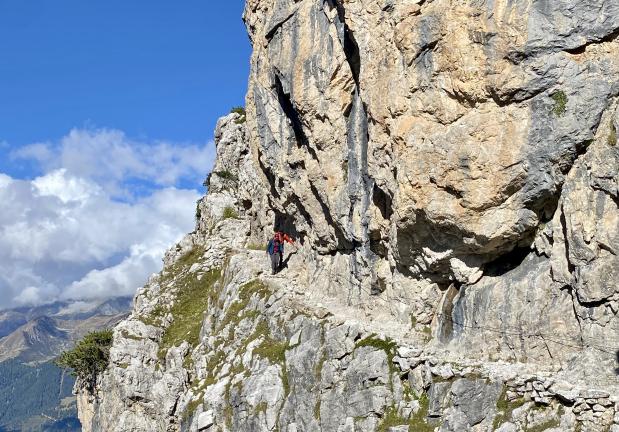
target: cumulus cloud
80 231
114 161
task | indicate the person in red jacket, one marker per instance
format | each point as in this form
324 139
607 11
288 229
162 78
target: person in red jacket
275 249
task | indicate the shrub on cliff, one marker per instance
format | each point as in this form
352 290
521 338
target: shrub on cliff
230 213
89 358
227 175
241 112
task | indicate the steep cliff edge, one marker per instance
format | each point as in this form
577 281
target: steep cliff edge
450 170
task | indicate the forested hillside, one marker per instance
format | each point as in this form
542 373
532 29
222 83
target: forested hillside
36 398
35 395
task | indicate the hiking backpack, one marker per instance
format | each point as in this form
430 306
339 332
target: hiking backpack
277 241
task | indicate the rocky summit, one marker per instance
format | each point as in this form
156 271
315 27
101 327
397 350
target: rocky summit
449 172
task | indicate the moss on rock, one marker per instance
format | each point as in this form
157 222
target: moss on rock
560 103
387 345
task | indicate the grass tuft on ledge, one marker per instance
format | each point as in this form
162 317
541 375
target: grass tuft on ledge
192 301
230 213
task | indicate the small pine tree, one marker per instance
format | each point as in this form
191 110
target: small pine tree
89 358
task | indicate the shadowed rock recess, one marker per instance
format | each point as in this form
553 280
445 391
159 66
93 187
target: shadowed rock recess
450 172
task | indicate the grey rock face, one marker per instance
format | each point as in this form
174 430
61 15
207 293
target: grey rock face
325 57
272 353
449 171
474 402
417 146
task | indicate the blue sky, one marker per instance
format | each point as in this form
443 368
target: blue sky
154 69
107 111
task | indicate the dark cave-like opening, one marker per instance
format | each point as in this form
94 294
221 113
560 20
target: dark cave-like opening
506 262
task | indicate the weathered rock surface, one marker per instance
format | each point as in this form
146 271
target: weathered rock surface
418 145
450 172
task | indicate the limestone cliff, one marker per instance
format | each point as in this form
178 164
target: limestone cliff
450 173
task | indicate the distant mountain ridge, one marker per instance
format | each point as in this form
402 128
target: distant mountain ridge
36 340
40 333
35 395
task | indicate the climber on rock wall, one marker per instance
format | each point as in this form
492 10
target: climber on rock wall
275 249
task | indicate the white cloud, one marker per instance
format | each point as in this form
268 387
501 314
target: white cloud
114 280
65 235
66 188
39 152
5 180
31 295
110 158
77 306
